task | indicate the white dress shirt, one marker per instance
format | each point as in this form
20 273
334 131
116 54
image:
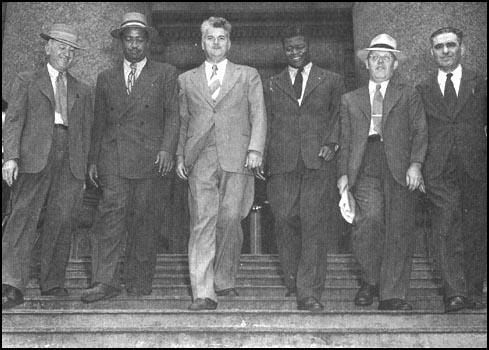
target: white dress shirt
305 76
456 78
139 67
53 74
221 70
372 87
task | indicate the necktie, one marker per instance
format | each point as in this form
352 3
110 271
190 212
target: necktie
377 111
298 83
131 78
61 98
450 96
214 83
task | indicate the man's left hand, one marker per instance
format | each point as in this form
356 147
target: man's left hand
327 152
165 162
414 178
253 160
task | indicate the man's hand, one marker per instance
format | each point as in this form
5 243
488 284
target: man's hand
165 162
10 171
253 160
259 173
93 174
327 152
414 178
181 170
342 183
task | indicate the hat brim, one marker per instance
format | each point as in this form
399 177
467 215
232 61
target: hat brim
68 42
363 53
116 33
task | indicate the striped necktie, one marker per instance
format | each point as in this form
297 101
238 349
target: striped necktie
377 111
214 83
61 100
131 78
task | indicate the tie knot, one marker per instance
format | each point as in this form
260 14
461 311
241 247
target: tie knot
377 87
449 76
60 75
300 70
133 66
214 69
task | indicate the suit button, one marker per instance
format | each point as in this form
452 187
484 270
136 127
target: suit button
214 111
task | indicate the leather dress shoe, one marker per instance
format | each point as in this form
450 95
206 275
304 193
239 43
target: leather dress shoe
230 292
98 292
55 292
11 296
365 296
310 304
203 304
395 304
457 303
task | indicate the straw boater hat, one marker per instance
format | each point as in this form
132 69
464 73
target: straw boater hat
382 42
133 20
63 33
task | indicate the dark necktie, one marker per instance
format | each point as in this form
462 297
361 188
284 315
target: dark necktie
131 78
298 83
61 99
377 110
450 96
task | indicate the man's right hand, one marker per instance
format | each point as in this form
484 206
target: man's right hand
181 170
342 183
93 174
10 171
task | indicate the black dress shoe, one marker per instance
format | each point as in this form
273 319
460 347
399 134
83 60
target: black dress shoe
395 304
55 292
11 296
310 304
457 303
203 304
99 292
365 295
230 292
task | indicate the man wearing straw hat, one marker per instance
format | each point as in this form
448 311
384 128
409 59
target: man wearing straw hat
382 148
46 140
134 140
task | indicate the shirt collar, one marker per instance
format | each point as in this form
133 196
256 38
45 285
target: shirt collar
372 85
220 66
307 69
139 65
53 72
457 74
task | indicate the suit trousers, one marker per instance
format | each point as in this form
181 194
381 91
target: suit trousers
459 227
57 189
384 226
127 217
303 204
218 201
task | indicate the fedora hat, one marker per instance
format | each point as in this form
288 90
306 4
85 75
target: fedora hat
133 20
382 42
64 33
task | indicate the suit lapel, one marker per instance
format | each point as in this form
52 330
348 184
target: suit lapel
284 83
72 92
436 96
200 81
364 102
465 90
392 95
315 78
144 81
46 87
230 78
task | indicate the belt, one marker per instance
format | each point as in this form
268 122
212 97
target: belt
374 138
62 126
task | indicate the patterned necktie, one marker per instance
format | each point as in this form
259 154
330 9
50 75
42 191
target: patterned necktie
298 83
61 98
214 83
450 96
377 111
131 78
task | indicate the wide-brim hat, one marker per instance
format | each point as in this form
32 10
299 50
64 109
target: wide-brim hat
133 20
382 42
63 33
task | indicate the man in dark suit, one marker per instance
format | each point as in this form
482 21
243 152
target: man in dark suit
46 140
134 139
383 145
455 101
303 120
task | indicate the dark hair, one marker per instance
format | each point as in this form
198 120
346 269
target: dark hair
457 32
293 31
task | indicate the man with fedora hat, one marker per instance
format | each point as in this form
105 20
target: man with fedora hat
382 147
46 140
135 135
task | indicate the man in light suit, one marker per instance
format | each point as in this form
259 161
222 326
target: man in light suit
46 140
455 171
383 145
303 122
134 141
222 138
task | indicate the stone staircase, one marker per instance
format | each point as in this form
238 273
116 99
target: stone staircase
260 317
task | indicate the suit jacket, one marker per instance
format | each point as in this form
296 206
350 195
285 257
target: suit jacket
404 127
29 123
303 129
130 130
462 128
238 116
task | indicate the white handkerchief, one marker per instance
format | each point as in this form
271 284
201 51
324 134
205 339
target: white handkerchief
347 206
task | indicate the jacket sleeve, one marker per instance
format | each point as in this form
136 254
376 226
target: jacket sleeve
184 116
267 94
100 113
334 112
418 127
258 114
170 112
344 140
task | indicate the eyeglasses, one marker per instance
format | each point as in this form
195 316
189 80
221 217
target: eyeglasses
386 58
449 45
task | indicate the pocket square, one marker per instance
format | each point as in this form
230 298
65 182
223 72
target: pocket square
347 206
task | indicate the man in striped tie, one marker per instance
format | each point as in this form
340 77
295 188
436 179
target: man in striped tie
382 147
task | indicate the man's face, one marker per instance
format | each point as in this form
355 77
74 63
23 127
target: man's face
297 51
60 55
446 51
381 65
135 43
216 44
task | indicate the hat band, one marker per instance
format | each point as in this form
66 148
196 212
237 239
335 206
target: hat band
383 46
133 23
